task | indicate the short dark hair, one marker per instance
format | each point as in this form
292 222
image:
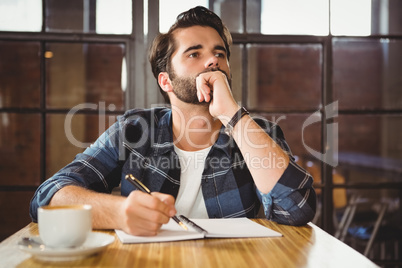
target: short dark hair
163 46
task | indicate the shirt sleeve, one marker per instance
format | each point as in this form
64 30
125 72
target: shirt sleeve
292 201
96 168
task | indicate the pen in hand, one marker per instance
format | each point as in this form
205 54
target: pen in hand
140 186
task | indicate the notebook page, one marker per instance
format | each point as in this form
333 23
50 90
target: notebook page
217 228
169 232
234 228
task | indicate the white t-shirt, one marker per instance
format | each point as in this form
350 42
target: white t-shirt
189 201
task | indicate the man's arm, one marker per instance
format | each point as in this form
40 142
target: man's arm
138 214
90 178
255 144
265 159
285 189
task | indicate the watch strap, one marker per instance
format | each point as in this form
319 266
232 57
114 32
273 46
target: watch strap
235 119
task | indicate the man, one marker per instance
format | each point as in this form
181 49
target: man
203 157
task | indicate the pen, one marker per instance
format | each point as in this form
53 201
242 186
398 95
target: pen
193 224
140 186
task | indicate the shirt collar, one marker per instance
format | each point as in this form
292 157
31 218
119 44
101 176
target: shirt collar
224 142
163 140
164 137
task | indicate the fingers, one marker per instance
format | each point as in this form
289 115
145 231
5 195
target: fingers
144 214
213 87
169 201
204 91
209 82
144 228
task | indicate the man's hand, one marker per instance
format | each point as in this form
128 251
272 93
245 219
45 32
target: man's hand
143 214
222 105
138 214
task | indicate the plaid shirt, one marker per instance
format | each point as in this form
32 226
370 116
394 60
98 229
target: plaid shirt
141 143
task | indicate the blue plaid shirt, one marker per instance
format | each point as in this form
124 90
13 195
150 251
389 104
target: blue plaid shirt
141 143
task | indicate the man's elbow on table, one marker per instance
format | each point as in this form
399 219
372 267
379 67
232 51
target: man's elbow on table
300 213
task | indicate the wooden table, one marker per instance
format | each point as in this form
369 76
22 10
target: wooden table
306 246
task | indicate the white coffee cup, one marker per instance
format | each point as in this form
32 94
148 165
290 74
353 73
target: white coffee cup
64 226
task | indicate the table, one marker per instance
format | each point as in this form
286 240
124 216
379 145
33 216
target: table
306 246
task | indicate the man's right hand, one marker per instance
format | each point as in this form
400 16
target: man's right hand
138 214
143 214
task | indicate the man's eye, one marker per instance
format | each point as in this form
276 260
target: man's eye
220 55
193 55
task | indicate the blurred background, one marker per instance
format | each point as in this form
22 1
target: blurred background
329 72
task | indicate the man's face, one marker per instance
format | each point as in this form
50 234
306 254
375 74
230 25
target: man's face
199 49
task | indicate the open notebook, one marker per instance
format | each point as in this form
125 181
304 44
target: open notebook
216 228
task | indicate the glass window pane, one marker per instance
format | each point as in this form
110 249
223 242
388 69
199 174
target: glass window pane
367 73
85 73
114 17
284 77
19 149
19 74
68 16
253 16
309 17
168 11
101 16
236 69
298 138
386 17
21 15
73 133
230 11
369 147
351 17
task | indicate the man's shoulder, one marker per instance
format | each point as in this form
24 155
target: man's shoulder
138 115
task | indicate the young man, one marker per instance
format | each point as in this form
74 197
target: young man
203 157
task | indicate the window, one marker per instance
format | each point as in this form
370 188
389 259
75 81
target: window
294 17
169 11
351 17
21 15
69 69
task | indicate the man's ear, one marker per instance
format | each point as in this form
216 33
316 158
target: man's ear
164 82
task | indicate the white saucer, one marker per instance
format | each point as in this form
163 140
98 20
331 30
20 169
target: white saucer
94 243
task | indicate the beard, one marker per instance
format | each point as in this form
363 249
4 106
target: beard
185 87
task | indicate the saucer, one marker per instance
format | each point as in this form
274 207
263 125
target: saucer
95 242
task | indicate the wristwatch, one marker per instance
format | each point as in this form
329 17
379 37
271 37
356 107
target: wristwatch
236 118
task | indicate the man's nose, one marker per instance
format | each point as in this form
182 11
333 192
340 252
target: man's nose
212 62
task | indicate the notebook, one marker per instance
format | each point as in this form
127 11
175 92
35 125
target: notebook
216 228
